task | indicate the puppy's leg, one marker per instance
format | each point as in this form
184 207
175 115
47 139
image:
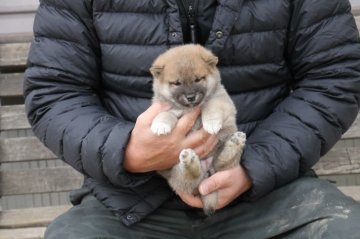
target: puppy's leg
165 173
190 163
192 173
187 174
230 154
212 117
163 123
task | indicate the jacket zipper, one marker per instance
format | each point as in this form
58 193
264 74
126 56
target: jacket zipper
191 10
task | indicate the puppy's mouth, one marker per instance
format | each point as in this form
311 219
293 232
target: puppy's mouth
190 100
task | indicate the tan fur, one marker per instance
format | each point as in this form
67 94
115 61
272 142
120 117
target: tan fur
184 77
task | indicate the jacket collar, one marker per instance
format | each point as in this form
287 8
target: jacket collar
226 15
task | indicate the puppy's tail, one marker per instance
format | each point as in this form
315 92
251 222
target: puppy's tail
209 201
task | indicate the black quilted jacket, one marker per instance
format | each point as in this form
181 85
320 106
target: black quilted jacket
291 67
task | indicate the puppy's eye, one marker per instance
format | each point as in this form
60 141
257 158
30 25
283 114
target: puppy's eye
199 79
177 83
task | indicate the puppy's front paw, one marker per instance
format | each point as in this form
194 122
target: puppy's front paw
160 128
212 126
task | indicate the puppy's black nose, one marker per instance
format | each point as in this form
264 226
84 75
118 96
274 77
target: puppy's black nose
191 98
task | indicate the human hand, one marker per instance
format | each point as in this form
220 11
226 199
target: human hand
229 184
147 152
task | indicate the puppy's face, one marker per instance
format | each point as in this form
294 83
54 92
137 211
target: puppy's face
185 76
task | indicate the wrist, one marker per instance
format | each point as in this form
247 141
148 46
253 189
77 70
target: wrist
132 161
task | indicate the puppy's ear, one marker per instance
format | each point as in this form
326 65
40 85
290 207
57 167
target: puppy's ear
156 70
212 61
208 57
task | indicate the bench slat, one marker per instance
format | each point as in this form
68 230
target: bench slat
356 12
23 37
30 217
23 233
11 85
13 117
13 54
339 161
351 191
354 131
23 149
25 181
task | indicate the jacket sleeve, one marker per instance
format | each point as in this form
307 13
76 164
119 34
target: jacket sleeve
324 57
61 90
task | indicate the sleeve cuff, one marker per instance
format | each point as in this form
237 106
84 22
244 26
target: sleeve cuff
113 158
260 173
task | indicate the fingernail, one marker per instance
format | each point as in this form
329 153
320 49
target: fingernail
203 190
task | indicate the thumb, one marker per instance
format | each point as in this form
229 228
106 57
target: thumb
210 184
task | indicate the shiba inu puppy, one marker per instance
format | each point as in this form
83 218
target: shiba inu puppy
186 77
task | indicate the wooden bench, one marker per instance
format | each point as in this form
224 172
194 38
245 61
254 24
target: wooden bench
17 144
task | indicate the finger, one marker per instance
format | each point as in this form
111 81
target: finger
204 149
191 200
195 139
213 183
187 121
150 113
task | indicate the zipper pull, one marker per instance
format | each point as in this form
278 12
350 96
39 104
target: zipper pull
193 34
192 25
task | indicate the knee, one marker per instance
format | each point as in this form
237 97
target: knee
314 187
344 220
54 231
321 192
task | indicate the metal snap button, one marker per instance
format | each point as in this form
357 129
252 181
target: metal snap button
174 34
219 34
129 217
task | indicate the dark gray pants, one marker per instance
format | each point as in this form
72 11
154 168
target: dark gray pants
307 208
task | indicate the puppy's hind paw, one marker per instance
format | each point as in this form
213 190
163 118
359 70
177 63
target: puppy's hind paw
160 128
238 138
190 163
188 157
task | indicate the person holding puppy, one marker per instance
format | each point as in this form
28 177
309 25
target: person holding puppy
292 69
